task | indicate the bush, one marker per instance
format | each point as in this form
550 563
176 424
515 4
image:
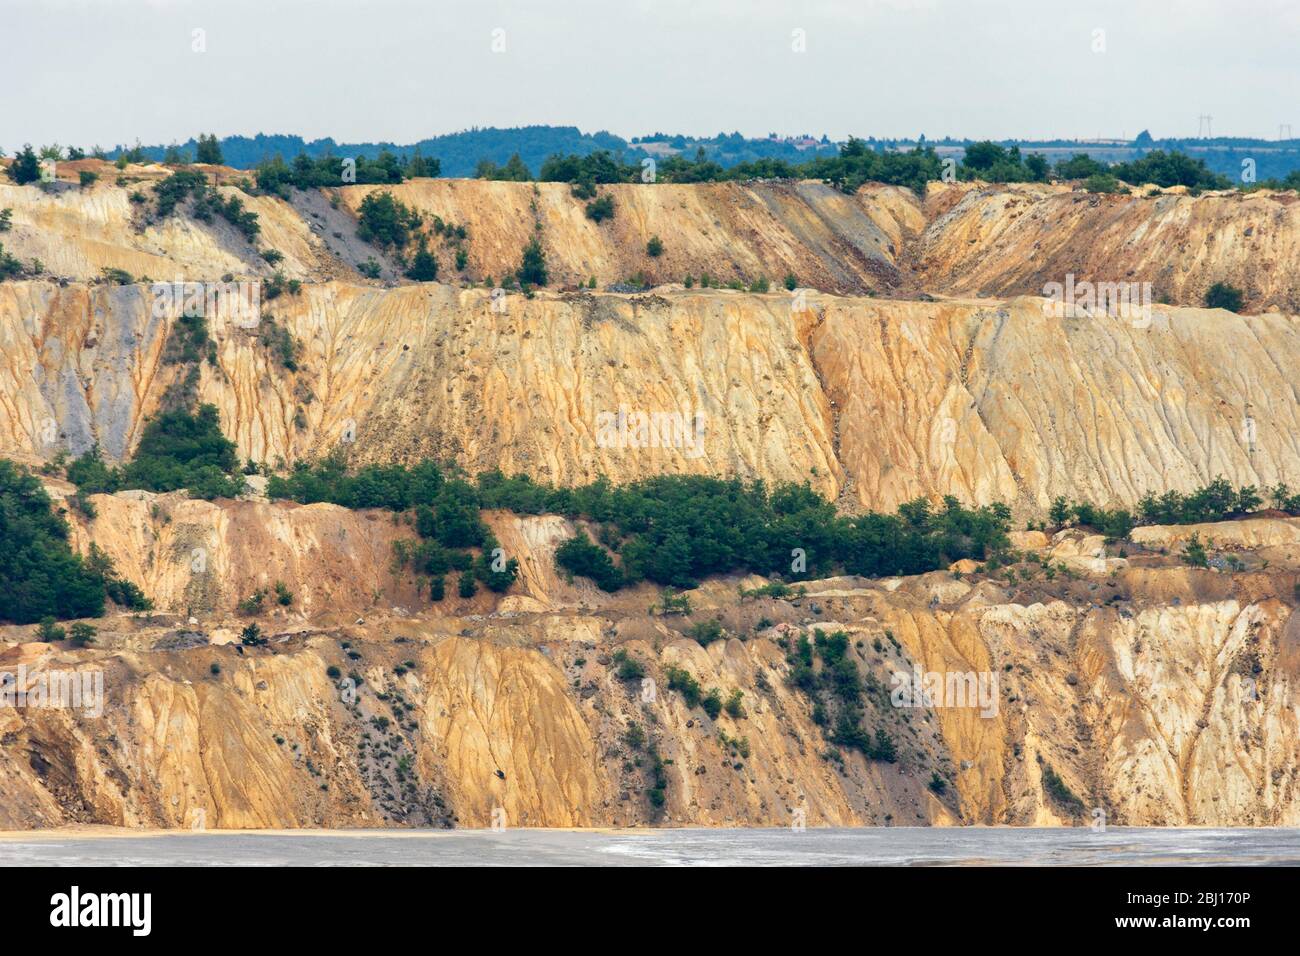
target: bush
654 248
384 221
9 265
1221 295
712 703
424 267
532 269
82 634
1103 183
1169 169
1216 501
579 556
251 635
209 150
183 450
686 685
40 576
706 632
1194 553
1057 789
629 668
277 177
253 603
466 587
598 210
734 706
1080 166
87 178
513 171
26 167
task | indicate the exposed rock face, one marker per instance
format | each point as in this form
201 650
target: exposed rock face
1156 693
1159 695
962 239
877 400
77 233
996 240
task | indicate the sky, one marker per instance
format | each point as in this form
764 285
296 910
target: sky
104 72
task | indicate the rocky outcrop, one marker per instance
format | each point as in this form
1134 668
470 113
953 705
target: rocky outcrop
873 401
961 239
1155 694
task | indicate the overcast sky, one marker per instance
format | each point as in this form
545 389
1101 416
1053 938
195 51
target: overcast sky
109 71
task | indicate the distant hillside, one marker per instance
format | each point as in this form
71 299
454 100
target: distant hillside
1274 159
461 152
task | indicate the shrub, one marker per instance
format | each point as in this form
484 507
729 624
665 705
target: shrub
712 703
385 221
26 167
183 450
116 276
1103 183
208 150
87 178
734 706
1057 789
654 248
1080 166
1221 295
579 556
9 265
681 681
253 603
466 586
706 632
629 668
40 575
81 634
1169 169
600 209
424 267
532 268
283 596
251 635
1194 553
49 631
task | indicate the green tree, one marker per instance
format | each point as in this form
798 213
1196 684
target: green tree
82 634
40 575
209 150
532 270
1221 295
26 167
424 267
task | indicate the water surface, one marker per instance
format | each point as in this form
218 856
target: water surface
892 846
